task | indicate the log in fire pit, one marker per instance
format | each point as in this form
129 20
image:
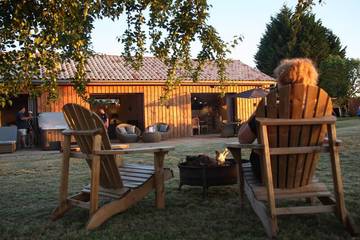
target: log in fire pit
204 171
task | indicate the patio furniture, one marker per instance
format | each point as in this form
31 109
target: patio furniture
51 125
204 127
291 136
162 128
127 133
151 137
195 123
123 186
8 137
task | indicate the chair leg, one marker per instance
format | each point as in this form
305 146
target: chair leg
237 156
118 206
351 226
64 205
349 222
261 211
336 174
95 176
159 179
269 179
342 213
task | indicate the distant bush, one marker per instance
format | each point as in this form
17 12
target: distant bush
354 104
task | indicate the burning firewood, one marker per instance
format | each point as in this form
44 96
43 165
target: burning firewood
221 156
200 160
204 160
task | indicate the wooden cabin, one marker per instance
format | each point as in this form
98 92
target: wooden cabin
134 96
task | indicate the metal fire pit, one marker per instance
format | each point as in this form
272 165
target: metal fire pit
207 176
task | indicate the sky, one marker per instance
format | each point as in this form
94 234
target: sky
249 19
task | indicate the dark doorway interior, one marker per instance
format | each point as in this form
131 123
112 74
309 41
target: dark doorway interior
8 113
121 108
208 110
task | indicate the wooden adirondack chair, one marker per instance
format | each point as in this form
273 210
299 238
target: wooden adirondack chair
125 185
292 124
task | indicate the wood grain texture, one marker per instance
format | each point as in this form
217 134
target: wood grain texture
95 147
177 113
299 146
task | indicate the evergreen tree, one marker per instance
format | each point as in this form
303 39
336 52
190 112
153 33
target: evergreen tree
288 37
275 43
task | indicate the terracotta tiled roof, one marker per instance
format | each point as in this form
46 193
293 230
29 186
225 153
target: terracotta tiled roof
114 68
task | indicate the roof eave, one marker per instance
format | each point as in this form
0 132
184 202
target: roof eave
162 82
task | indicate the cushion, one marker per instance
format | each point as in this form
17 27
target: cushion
151 129
122 130
130 129
163 127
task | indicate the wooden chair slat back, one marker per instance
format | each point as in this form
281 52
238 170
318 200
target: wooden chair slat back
284 112
294 102
80 118
273 132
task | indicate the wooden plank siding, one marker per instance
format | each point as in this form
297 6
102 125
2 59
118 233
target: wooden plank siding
177 112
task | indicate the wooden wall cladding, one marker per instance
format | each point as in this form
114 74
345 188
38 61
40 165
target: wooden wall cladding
177 112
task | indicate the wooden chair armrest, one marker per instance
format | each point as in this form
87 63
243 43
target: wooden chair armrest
244 146
135 150
69 132
305 121
117 146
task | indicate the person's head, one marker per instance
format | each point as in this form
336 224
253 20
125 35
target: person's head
296 70
22 110
101 111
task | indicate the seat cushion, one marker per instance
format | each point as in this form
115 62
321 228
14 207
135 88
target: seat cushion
122 130
130 129
152 129
163 127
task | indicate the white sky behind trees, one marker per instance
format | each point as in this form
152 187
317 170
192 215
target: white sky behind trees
249 19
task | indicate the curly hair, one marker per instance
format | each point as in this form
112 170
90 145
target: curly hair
296 70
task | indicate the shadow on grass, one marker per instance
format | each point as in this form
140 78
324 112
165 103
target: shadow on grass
29 192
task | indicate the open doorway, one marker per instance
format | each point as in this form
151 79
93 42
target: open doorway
8 113
121 108
208 111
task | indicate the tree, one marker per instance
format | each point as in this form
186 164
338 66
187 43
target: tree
340 77
275 43
36 37
354 77
289 35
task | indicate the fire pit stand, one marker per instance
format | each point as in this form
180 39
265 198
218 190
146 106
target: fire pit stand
207 176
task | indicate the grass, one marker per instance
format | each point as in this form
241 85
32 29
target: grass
29 191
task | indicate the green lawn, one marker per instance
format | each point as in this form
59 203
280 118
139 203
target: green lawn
29 192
